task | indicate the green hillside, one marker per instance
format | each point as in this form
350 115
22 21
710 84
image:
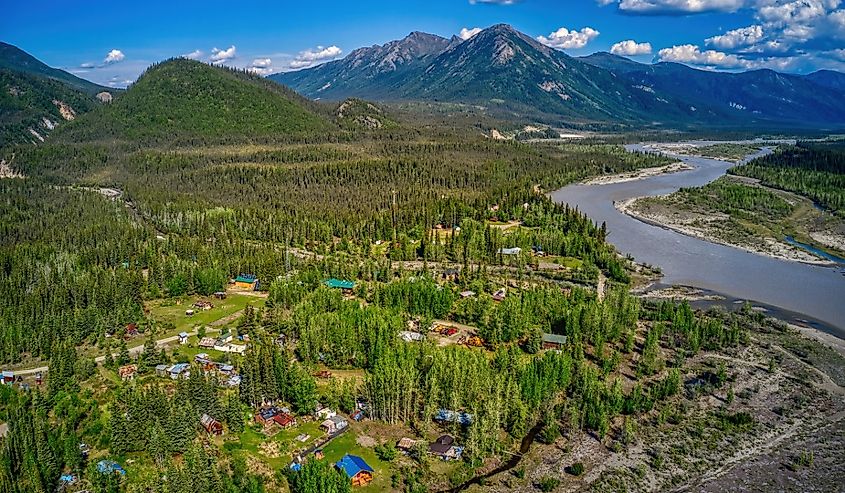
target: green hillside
184 99
28 112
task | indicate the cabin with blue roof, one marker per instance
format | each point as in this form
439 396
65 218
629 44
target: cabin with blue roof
356 469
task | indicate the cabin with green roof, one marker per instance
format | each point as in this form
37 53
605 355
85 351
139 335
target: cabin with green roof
345 286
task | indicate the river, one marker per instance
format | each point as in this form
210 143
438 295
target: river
796 290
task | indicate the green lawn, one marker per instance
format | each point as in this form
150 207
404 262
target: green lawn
167 312
346 444
250 441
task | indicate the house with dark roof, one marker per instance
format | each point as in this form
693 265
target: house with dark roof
444 447
356 469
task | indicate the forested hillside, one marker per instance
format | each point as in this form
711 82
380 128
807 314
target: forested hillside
181 99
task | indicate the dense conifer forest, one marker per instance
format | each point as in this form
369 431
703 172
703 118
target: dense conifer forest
135 217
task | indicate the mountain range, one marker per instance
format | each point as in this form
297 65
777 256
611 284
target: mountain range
36 98
508 72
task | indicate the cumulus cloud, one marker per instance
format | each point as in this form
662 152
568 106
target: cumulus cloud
744 36
219 56
658 7
693 55
87 65
310 57
565 39
261 66
468 33
630 47
194 55
114 56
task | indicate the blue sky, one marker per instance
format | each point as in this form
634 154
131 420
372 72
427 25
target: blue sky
112 42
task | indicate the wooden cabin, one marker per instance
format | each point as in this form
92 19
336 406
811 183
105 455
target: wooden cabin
211 425
553 341
356 469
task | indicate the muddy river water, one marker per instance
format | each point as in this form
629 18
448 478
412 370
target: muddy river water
801 290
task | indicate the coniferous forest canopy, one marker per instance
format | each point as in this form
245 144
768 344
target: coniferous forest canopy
129 218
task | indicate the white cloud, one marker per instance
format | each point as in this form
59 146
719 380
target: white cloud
566 40
778 11
218 55
87 65
310 57
693 55
744 36
468 33
194 55
261 66
113 56
494 2
677 6
630 47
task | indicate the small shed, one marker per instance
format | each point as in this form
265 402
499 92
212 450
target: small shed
206 342
220 295
127 372
180 370
324 413
211 425
183 337
409 336
510 251
356 469
467 294
406 444
132 329
8 377
161 370
553 341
